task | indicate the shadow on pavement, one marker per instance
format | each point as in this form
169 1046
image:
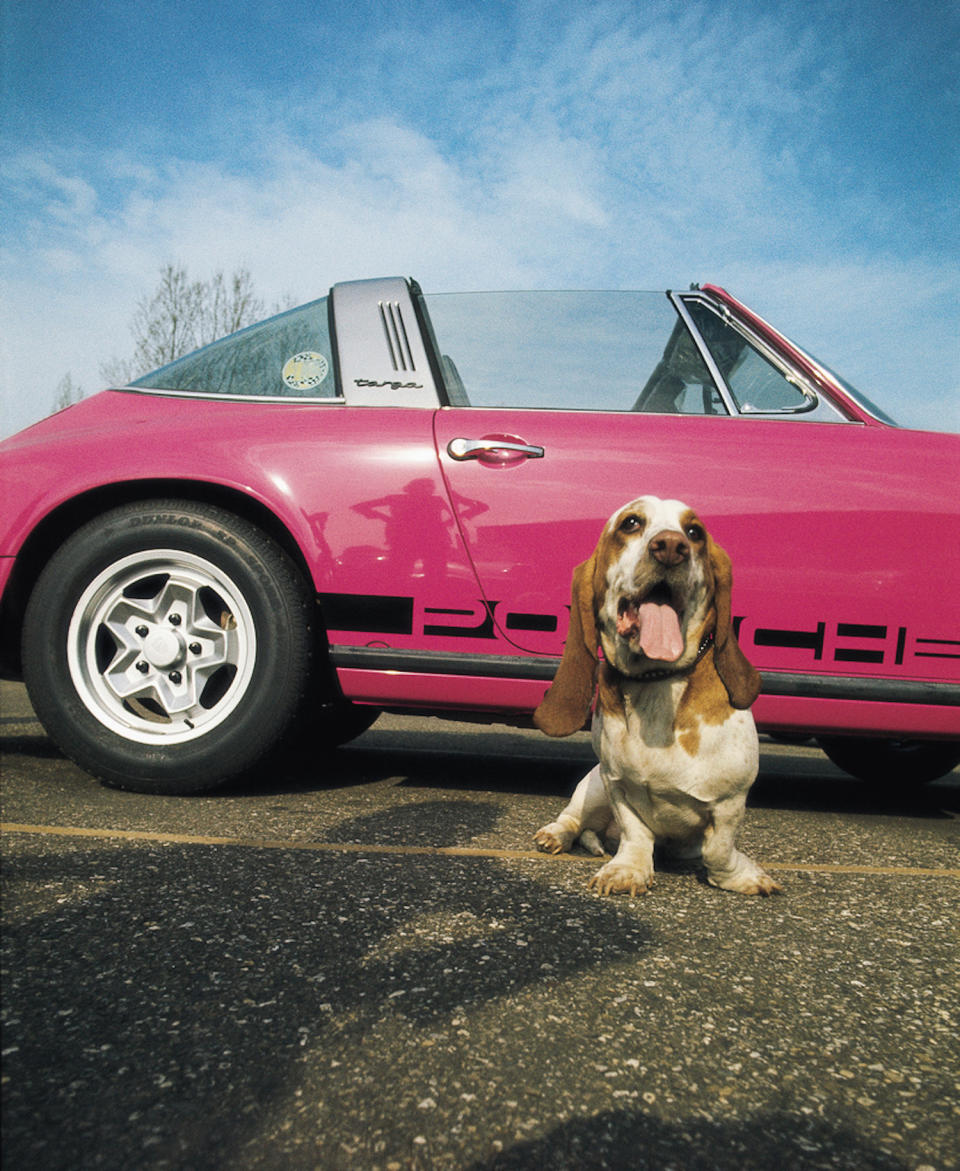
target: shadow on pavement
638 1142
177 995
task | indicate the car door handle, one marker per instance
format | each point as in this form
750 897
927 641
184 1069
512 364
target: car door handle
461 449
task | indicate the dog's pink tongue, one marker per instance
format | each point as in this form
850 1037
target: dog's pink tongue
658 628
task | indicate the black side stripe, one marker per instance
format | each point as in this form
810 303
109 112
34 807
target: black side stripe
376 613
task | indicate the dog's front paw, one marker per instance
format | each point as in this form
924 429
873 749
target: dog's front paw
553 838
618 878
756 882
763 884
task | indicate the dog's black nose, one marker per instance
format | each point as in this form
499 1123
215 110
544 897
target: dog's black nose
669 548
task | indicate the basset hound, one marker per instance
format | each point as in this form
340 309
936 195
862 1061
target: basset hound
672 729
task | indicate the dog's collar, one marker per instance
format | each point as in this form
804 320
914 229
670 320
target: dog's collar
669 672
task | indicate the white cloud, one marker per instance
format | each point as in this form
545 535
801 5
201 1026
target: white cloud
62 199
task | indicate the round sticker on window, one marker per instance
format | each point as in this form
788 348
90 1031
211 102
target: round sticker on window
305 371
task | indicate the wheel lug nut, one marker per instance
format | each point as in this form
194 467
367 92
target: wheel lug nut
175 619
143 667
175 677
142 632
195 648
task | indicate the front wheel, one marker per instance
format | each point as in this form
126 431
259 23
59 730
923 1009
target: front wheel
892 762
167 646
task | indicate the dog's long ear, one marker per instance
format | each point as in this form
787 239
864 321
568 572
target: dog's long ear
737 674
566 706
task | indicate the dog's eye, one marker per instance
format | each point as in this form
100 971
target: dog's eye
630 524
695 532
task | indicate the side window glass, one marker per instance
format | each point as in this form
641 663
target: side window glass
680 383
757 385
594 351
287 356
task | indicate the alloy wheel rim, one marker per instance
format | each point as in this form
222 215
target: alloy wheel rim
161 646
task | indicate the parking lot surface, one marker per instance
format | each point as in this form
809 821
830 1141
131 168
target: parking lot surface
359 962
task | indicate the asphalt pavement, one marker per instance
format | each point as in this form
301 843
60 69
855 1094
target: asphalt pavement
360 962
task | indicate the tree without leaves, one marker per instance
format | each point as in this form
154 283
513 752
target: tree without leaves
66 393
166 324
183 315
228 306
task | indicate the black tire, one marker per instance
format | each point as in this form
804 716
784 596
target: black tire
325 724
167 646
340 722
892 762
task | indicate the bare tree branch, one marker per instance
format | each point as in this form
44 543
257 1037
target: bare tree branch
166 325
181 315
228 305
66 393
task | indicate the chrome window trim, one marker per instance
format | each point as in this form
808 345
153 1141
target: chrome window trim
212 396
814 401
591 411
724 391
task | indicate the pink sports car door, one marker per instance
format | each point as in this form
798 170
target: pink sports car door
821 582
818 513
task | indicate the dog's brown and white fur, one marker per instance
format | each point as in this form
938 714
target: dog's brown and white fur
676 742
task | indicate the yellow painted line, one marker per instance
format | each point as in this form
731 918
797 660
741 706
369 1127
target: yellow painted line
829 868
137 835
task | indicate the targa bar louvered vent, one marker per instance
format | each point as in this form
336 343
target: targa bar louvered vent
391 317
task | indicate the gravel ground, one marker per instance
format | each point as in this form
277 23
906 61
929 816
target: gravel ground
373 972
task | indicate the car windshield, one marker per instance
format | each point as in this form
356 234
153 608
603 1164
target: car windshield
857 395
287 356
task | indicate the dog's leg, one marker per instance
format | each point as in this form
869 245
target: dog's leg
726 866
630 871
588 813
684 851
606 841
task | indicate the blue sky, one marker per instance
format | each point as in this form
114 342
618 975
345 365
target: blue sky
805 155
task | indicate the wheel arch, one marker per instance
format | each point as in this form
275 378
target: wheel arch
67 517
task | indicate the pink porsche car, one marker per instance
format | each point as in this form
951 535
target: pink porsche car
376 500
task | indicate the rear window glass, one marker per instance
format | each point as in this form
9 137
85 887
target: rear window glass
287 356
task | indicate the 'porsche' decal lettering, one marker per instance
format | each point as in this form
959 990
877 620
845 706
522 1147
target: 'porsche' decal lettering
884 644
541 623
483 629
827 642
859 655
799 639
944 642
